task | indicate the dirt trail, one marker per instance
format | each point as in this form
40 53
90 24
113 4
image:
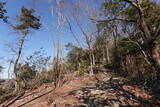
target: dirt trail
102 90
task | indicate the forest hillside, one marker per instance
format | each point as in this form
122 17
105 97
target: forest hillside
80 53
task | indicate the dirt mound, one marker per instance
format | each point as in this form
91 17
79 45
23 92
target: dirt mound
102 90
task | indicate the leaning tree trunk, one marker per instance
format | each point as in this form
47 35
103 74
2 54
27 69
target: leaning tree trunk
154 59
18 56
155 56
21 43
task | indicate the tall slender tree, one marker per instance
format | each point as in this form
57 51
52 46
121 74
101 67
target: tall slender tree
26 22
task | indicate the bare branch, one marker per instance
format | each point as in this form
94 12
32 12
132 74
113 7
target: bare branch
131 2
75 37
157 32
114 19
84 33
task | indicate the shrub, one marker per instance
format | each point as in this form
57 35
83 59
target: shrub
80 72
3 91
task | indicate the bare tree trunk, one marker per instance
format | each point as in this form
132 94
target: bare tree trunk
104 55
17 86
91 64
93 57
18 55
57 67
115 35
75 37
21 43
88 41
107 54
9 68
156 56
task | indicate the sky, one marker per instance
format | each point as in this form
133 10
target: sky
34 41
48 35
45 37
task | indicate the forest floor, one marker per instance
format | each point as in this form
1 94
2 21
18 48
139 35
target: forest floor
101 90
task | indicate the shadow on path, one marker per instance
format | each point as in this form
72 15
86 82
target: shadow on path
112 94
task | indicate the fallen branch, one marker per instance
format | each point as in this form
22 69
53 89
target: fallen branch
35 98
13 100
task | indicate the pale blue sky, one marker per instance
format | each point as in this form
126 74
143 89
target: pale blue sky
36 39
